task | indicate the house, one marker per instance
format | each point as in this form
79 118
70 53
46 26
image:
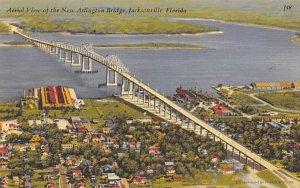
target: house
4 152
62 124
76 173
37 138
154 150
221 110
67 146
149 170
156 120
214 157
80 129
3 165
228 170
27 184
9 125
48 173
95 138
176 177
133 144
141 120
32 146
50 185
107 130
81 184
73 160
169 168
95 121
107 168
140 180
113 180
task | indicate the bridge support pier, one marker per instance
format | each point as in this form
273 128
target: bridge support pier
61 54
67 54
108 79
86 65
127 87
53 50
79 60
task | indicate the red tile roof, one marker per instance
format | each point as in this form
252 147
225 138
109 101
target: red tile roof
3 149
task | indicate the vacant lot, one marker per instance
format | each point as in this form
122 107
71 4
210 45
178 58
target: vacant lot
287 100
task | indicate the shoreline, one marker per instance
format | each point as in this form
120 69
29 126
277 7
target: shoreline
139 34
147 48
296 39
15 45
240 24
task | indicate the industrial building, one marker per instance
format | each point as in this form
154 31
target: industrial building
57 97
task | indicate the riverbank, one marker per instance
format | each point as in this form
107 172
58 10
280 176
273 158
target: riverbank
153 46
296 39
238 23
234 16
116 25
15 44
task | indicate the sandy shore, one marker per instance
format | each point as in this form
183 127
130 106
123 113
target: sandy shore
14 45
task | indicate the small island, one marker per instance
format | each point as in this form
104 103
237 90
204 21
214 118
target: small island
296 38
15 43
153 46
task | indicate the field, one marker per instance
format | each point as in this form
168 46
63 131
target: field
8 109
4 28
239 98
100 109
203 178
286 99
238 16
104 24
270 178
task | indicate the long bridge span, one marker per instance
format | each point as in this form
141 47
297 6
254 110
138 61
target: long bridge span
142 95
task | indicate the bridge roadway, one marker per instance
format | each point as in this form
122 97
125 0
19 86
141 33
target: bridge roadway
284 176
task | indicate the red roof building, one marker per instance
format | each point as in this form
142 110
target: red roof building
154 150
220 109
3 152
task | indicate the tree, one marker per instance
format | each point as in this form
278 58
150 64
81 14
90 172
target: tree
12 138
25 137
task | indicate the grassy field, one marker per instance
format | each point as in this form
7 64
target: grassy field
235 15
7 109
287 100
239 98
100 109
204 178
104 24
154 45
4 28
271 178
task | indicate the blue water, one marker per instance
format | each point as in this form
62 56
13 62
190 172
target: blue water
241 55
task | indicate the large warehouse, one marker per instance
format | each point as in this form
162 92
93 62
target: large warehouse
57 97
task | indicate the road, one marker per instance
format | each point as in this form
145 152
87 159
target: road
63 182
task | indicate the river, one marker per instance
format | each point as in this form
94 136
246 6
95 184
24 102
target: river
241 55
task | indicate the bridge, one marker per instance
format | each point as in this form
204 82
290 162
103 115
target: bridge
142 95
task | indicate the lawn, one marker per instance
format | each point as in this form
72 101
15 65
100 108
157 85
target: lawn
286 99
204 178
270 178
38 182
239 98
100 109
